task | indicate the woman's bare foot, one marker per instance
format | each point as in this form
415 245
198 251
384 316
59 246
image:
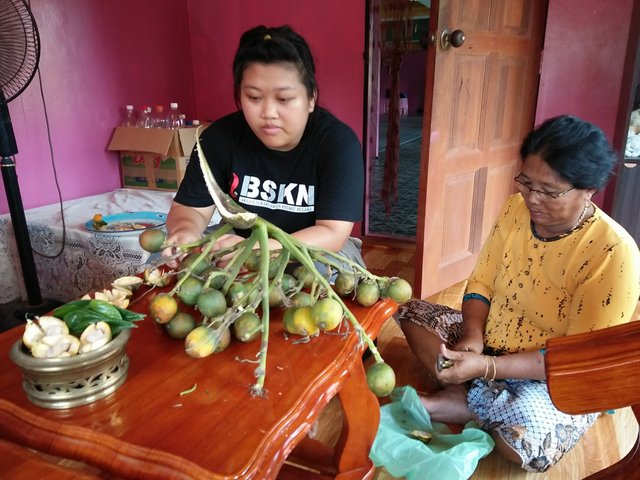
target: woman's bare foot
448 405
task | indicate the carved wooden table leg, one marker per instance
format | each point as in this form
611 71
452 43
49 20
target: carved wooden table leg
361 414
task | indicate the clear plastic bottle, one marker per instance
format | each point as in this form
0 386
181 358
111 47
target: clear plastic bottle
145 119
174 118
159 118
129 118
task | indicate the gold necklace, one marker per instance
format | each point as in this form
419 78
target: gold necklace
582 216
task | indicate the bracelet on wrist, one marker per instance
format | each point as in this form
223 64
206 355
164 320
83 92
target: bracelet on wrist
493 361
486 368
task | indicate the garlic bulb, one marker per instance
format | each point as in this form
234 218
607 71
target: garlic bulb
127 284
115 296
41 327
156 277
95 336
124 291
53 346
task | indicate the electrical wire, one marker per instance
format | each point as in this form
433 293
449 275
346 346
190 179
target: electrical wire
55 177
55 172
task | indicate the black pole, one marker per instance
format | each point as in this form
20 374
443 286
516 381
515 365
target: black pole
8 148
20 231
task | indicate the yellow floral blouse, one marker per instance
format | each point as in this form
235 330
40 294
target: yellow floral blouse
585 281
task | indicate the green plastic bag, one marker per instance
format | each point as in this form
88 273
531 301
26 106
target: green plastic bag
447 456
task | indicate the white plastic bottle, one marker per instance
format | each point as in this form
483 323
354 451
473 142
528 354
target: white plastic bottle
129 118
145 119
174 119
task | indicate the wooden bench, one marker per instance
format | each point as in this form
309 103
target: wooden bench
594 372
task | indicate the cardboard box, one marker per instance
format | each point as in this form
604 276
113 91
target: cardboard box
153 158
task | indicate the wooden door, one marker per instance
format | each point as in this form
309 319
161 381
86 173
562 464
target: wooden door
480 103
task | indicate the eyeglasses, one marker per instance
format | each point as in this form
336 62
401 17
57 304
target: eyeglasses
524 188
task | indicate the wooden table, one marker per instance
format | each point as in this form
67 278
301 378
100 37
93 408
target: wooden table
146 429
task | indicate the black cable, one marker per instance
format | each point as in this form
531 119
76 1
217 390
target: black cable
55 176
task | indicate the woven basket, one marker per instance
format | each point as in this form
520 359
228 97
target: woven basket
73 381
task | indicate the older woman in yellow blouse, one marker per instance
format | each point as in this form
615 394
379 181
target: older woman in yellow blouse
553 265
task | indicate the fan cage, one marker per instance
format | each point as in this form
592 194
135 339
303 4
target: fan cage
19 47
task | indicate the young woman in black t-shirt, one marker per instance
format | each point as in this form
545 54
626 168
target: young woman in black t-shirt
280 155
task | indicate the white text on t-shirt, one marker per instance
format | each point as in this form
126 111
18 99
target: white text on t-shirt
292 197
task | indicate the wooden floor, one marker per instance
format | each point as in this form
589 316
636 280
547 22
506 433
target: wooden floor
605 443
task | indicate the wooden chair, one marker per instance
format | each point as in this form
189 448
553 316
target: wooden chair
598 371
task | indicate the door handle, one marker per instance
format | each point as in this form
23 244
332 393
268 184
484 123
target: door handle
453 39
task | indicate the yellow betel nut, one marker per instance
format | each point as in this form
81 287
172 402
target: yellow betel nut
381 379
247 327
327 314
201 342
303 322
152 240
287 321
163 308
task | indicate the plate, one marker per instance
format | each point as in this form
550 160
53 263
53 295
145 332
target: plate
128 222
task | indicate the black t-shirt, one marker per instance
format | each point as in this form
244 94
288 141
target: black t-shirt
322 178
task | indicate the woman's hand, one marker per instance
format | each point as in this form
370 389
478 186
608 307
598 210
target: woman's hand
172 255
226 241
185 225
466 366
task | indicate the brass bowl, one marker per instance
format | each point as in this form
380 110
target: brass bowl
68 382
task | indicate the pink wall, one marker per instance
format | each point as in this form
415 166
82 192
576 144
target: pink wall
334 30
99 55
583 62
96 56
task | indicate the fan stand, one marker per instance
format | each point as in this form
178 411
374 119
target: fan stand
36 306
19 55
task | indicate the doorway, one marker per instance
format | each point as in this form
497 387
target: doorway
397 219
482 73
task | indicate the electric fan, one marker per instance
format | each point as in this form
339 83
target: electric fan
19 55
